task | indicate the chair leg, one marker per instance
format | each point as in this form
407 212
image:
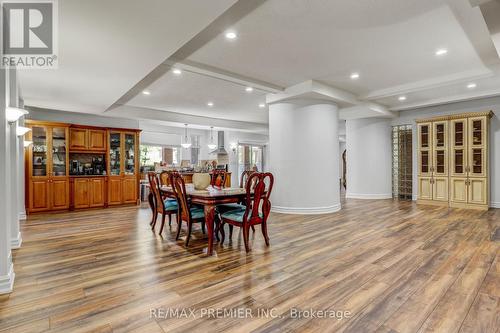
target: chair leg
153 223
190 228
264 232
231 232
246 233
203 227
162 223
169 220
179 227
253 228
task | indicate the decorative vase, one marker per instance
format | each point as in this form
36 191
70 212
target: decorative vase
201 180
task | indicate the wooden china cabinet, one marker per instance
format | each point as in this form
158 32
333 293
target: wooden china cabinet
47 167
453 160
51 184
123 168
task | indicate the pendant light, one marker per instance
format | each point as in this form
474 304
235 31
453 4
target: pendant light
212 145
186 142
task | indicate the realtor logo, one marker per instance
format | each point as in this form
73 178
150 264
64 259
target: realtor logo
29 34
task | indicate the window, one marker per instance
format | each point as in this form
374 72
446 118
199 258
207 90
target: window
150 155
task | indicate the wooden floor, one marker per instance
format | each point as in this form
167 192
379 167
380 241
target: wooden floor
394 266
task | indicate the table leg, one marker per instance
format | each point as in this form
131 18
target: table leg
209 219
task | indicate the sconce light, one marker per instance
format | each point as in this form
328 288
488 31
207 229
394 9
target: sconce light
13 114
20 130
27 143
233 147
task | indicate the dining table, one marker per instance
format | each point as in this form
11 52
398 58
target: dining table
209 198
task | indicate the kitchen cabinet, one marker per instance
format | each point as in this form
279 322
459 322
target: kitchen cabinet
88 192
87 139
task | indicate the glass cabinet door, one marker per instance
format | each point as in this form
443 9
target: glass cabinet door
458 147
59 151
39 158
477 146
425 149
129 158
440 147
424 133
114 153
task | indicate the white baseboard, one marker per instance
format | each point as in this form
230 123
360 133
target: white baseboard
7 281
306 210
22 215
495 204
16 242
378 196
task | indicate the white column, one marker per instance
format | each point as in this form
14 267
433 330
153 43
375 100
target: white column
369 158
20 176
6 267
304 156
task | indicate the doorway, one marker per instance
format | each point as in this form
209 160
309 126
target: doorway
250 157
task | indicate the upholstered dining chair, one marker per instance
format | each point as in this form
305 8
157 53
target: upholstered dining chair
257 208
187 212
163 205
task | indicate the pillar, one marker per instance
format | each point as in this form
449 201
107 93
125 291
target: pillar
304 156
369 158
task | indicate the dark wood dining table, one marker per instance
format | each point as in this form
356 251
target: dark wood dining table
209 199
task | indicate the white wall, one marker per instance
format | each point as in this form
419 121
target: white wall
486 104
369 158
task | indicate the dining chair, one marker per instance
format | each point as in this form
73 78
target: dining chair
164 178
245 176
218 178
257 208
187 212
163 205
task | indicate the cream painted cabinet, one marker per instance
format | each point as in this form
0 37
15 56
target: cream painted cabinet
453 160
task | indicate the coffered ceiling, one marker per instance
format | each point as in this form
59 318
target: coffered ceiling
107 61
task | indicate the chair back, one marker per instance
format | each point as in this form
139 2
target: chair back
245 175
258 187
164 178
179 188
218 178
154 187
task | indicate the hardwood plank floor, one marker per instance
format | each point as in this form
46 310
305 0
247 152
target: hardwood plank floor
394 266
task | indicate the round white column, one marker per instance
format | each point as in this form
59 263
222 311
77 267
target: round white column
369 158
304 156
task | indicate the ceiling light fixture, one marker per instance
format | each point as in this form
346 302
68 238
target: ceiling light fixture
212 145
441 52
262 105
210 104
231 35
249 89
21 130
13 114
402 98
146 92
177 71
471 85
354 76
186 143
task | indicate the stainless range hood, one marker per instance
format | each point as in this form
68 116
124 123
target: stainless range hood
220 140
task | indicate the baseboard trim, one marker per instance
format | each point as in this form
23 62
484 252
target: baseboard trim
306 210
495 204
22 215
16 242
368 196
7 281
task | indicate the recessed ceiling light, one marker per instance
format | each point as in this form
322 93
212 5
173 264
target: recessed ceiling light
146 92
248 89
262 105
354 76
441 52
177 71
210 104
471 85
402 98
231 35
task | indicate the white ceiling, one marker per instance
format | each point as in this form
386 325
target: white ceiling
109 55
105 47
